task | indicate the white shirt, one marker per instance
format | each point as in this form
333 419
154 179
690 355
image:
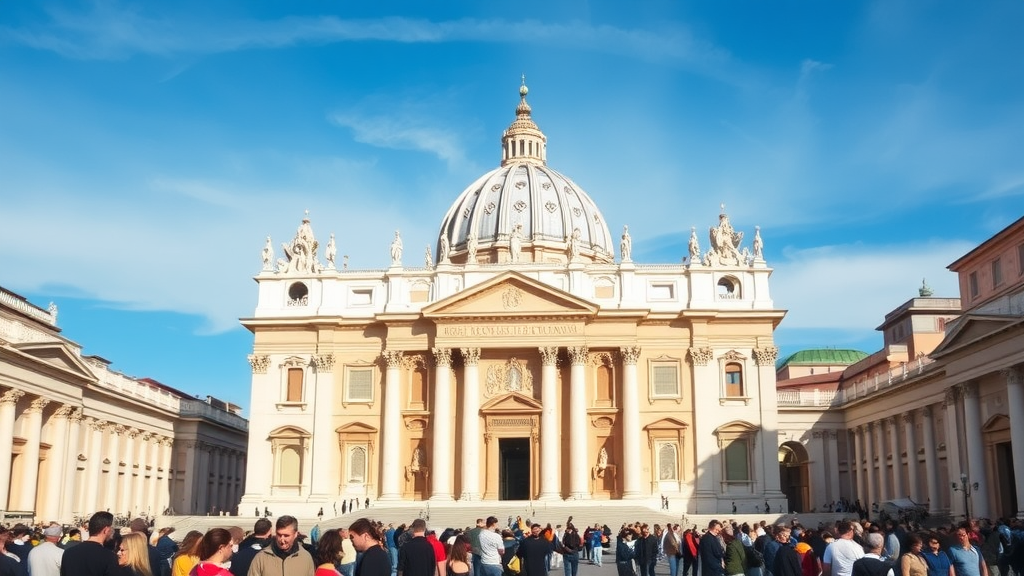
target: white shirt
491 547
841 554
44 559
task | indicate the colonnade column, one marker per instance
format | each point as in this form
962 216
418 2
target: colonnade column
8 403
1015 405
953 446
32 429
164 484
391 447
470 466
832 453
93 467
931 465
441 459
213 505
883 466
113 452
72 486
910 440
549 434
127 484
897 461
630 423
324 458
869 465
57 458
578 424
976 471
856 469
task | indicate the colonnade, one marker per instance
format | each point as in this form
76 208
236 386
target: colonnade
470 464
213 482
877 480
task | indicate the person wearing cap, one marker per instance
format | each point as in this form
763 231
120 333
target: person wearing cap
45 559
416 557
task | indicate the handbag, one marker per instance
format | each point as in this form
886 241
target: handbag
513 565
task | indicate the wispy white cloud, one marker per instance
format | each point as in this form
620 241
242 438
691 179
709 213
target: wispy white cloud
404 134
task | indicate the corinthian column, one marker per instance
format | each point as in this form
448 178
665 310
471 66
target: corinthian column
1015 404
931 466
953 446
324 458
910 439
51 505
976 471
441 420
549 436
883 465
113 454
32 430
127 483
470 424
578 424
869 456
8 402
390 471
897 461
94 461
630 423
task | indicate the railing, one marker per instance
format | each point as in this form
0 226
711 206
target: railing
20 305
134 388
860 389
201 409
814 397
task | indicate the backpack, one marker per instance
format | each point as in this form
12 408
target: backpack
571 542
513 565
754 558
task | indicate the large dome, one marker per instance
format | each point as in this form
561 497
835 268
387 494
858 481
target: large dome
526 201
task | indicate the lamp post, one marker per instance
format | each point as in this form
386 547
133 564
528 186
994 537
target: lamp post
967 488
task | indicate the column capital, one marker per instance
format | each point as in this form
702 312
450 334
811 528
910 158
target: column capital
324 362
952 395
65 411
393 358
117 429
1012 375
927 411
630 355
766 355
890 421
76 416
969 389
907 417
37 405
133 433
577 355
470 356
548 355
11 397
832 433
442 357
259 363
701 356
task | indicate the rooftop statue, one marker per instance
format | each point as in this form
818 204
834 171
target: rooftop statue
626 245
268 256
725 244
574 244
331 253
442 255
515 243
428 258
396 249
471 245
694 246
758 244
300 255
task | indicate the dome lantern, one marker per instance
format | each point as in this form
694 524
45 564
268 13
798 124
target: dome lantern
523 141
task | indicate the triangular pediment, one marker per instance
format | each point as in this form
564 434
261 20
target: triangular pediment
58 355
513 402
356 428
667 424
510 295
971 328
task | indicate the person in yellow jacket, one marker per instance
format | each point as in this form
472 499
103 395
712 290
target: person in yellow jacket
188 554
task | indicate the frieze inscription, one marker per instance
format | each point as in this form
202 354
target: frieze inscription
523 330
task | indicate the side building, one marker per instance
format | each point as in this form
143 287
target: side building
77 437
936 416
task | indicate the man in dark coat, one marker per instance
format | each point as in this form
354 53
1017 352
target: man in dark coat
711 552
646 551
262 532
533 553
787 561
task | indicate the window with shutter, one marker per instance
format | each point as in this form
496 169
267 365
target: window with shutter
665 379
360 385
294 393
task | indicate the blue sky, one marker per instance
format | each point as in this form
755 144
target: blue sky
147 150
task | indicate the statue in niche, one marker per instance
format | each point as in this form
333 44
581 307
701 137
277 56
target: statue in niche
396 249
417 458
331 253
602 463
428 258
573 242
515 243
268 255
300 255
626 245
758 244
442 255
694 246
725 243
471 245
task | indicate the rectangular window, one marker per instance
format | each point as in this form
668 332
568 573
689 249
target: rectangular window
737 462
997 272
665 379
360 385
972 284
294 393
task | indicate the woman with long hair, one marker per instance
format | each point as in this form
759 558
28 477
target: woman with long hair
187 557
328 552
215 548
913 562
133 555
458 559
367 538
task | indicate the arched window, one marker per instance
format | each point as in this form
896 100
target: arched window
288 445
667 462
736 441
734 379
291 467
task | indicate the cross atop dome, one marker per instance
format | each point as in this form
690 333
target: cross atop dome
523 142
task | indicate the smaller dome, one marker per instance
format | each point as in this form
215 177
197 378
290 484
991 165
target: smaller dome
823 356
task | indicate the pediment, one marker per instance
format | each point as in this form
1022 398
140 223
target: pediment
667 424
513 402
970 329
356 428
510 295
58 355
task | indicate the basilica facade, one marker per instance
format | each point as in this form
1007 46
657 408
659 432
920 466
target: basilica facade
534 360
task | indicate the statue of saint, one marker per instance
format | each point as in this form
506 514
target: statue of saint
331 253
758 244
515 243
602 458
52 309
428 259
442 256
268 255
301 253
725 242
574 245
626 245
471 244
396 249
694 245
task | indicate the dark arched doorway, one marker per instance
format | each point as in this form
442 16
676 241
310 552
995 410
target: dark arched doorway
794 476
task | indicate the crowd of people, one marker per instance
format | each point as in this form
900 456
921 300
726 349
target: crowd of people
516 548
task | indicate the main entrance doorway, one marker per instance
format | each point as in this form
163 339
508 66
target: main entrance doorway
514 468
